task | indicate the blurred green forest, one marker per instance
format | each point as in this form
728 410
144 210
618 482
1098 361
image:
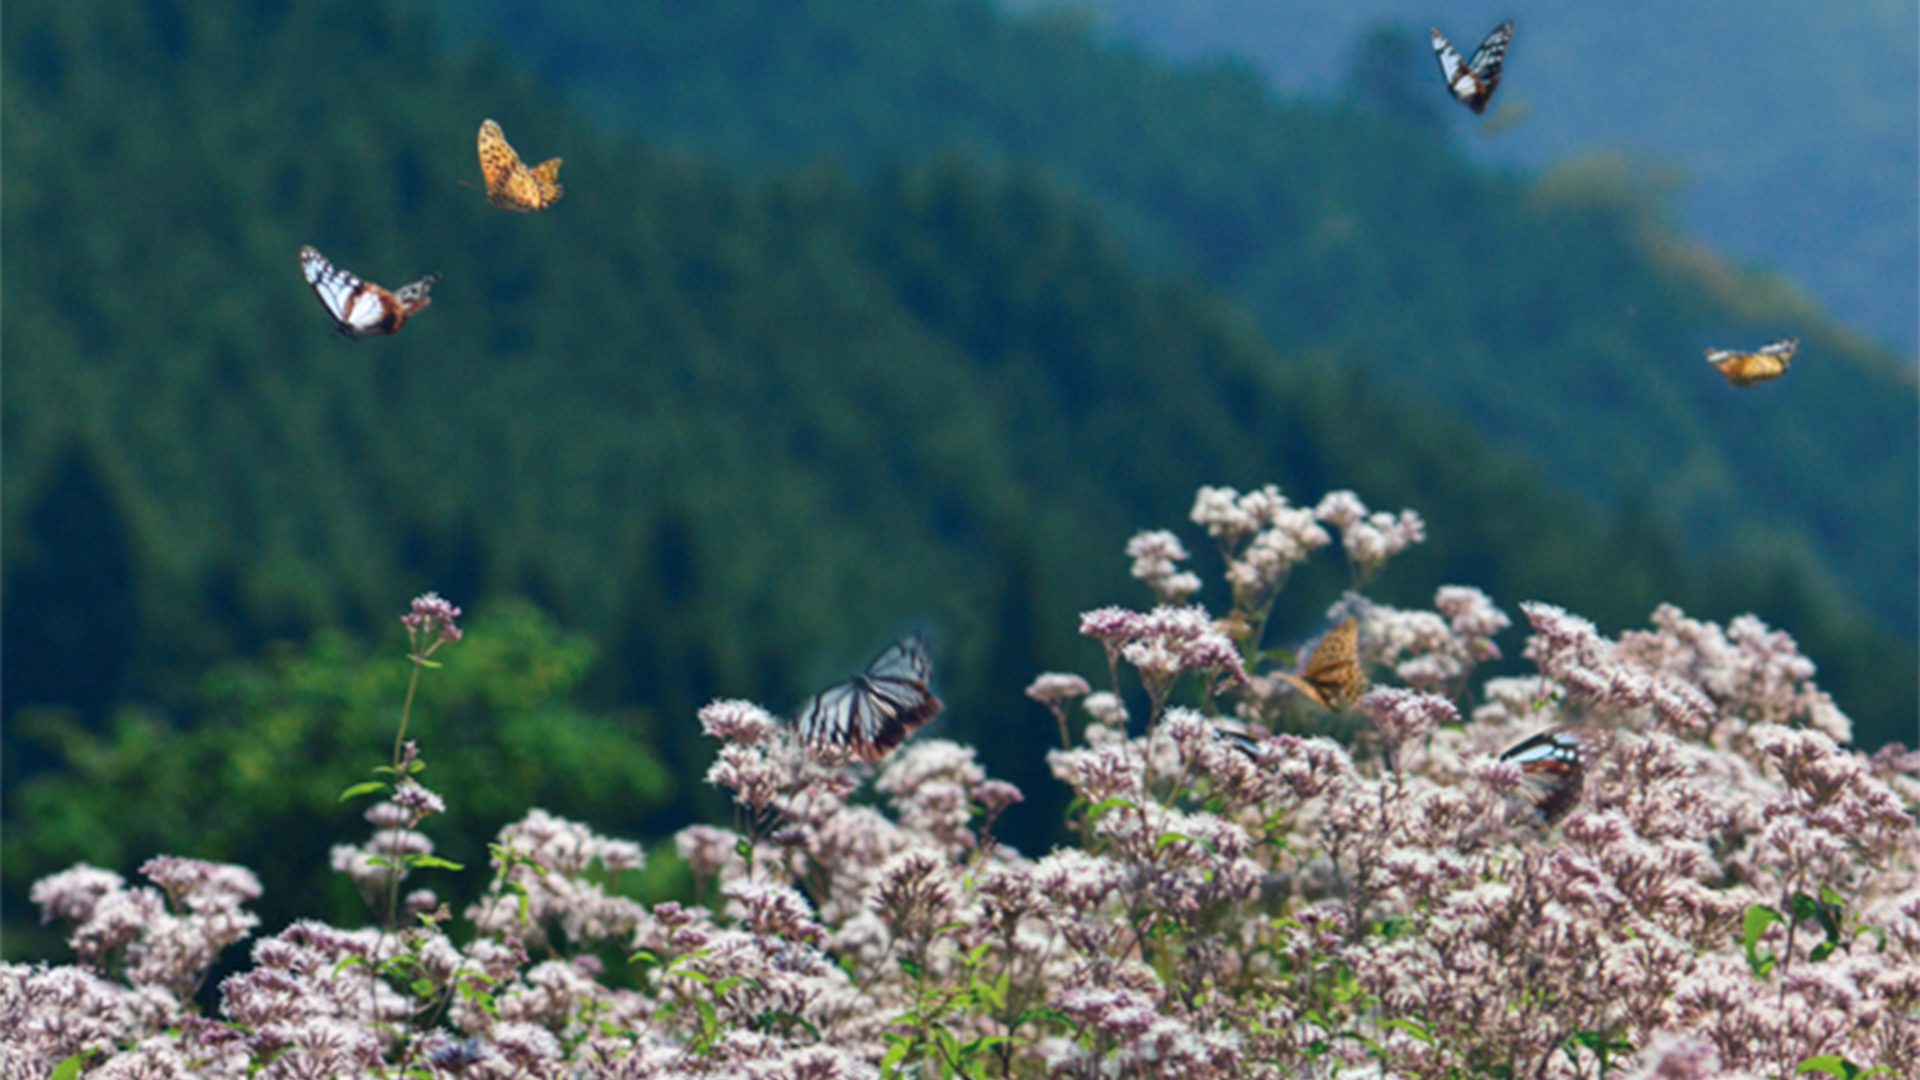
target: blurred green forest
736 431
1561 314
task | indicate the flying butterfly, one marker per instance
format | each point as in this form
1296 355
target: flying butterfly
1753 368
1472 81
510 184
1331 677
361 308
1552 769
868 715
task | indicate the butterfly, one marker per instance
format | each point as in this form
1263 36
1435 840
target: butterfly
1473 81
1332 677
361 308
1751 368
869 714
1552 769
510 184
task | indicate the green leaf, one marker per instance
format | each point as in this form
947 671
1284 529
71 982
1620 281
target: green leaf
1042 1012
1821 951
1753 924
69 1066
1804 907
1173 838
645 959
1412 1027
421 987
1107 804
433 862
1831 1064
983 993
366 788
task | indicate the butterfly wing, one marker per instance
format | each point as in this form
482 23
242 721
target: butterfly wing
868 715
1452 68
413 297
1332 677
361 308
1752 368
546 182
1473 81
1491 54
510 184
335 287
498 162
1552 769
909 658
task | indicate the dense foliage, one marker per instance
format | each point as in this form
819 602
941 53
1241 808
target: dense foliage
1702 882
256 778
1563 314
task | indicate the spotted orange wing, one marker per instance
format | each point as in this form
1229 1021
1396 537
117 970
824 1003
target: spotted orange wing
510 184
1751 368
1332 677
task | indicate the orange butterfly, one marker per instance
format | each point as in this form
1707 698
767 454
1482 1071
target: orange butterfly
510 184
1751 368
1331 677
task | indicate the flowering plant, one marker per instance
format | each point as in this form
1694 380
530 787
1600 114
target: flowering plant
1728 892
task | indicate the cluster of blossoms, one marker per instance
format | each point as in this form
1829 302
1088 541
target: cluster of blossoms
1733 894
430 624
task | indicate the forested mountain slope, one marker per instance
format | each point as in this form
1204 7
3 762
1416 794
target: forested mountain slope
1561 313
738 431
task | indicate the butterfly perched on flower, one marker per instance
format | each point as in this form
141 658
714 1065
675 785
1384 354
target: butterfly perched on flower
361 308
1751 368
1552 771
510 184
1472 81
1331 677
868 715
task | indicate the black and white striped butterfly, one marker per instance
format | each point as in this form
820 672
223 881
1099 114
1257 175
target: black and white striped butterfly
1553 769
1472 81
361 308
868 715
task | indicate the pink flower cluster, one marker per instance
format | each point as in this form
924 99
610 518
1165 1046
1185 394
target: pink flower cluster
1732 894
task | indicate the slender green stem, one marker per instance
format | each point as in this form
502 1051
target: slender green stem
406 710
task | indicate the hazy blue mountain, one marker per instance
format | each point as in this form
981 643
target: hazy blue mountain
1791 129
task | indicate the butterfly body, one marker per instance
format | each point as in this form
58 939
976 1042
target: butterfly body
868 715
1332 677
511 185
1752 368
1553 771
362 308
1472 81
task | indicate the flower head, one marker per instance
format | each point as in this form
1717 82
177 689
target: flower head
430 624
